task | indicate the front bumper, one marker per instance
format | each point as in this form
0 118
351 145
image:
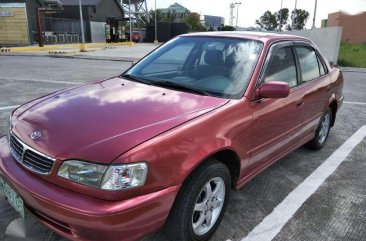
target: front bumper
80 217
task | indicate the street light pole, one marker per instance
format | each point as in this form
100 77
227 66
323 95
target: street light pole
156 26
316 5
237 13
82 47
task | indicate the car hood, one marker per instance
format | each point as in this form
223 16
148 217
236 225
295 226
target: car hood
100 121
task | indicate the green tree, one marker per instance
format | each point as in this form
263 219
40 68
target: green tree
159 15
226 28
194 23
267 21
170 16
299 19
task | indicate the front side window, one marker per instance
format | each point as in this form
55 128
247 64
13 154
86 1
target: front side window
308 63
282 67
215 66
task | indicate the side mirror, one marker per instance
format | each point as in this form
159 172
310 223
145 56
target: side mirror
333 65
273 89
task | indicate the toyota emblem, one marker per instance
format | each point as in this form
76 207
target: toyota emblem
35 135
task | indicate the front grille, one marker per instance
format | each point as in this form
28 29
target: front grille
16 148
29 157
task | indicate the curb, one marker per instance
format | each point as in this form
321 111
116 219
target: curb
5 50
57 47
63 51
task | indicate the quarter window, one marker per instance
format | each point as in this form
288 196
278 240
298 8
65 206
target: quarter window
321 67
308 63
282 67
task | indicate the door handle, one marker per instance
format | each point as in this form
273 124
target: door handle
300 103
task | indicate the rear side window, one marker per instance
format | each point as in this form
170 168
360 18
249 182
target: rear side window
308 63
282 67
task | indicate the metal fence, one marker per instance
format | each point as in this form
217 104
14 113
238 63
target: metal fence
58 30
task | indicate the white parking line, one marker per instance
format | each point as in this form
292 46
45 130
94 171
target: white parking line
9 107
354 103
275 221
42 81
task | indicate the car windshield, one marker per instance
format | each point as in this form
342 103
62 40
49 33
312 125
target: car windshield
215 66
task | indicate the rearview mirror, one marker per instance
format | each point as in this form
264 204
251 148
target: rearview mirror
273 89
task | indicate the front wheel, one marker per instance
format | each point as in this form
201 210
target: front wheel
322 132
201 203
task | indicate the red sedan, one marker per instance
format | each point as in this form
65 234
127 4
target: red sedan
163 144
136 36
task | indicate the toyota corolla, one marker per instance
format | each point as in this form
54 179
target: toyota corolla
163 144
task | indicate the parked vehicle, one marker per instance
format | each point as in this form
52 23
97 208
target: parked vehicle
136 36
163 144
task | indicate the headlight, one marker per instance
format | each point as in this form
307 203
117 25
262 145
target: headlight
82 172
116 177
124 176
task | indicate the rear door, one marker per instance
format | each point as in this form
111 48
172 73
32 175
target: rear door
277 122
316 80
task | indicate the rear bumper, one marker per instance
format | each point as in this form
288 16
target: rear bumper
79 217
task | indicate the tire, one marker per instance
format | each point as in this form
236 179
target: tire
322 132
185 222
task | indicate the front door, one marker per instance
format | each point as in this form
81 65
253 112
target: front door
277 122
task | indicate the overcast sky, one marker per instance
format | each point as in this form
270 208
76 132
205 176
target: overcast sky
250 10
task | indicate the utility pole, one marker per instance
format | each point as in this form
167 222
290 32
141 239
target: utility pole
156 26
82 46
295 15
280 27
237 13
39 25
316 5
129 14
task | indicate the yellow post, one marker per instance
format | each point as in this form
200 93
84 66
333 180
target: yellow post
82 47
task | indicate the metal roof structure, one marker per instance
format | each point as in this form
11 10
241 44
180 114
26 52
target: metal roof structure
137 10
83 2
86 3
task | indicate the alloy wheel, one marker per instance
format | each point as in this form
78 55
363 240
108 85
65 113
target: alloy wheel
208 206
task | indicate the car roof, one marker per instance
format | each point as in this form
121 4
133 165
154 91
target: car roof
253 35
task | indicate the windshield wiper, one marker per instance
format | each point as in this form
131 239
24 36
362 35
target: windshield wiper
172 85
136 79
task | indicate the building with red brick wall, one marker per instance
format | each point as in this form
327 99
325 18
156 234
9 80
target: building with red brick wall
354 26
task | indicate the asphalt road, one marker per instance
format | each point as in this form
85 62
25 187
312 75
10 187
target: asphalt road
336 211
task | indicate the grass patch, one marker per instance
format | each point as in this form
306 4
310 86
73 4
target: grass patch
352 55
